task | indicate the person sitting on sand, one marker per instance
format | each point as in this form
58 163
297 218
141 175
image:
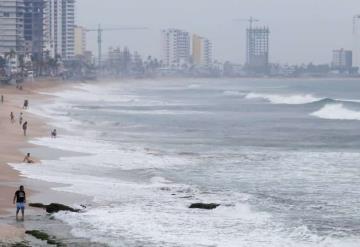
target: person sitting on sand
20 199
53 133
27 159
25 127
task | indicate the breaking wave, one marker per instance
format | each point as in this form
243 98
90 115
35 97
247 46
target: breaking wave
337 111
296 99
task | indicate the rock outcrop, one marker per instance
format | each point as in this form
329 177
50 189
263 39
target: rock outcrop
54 207
207 206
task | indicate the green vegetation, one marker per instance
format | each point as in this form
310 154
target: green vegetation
51 240
20 244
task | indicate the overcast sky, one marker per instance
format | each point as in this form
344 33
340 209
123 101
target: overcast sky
302 31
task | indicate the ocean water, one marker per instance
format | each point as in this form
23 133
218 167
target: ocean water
280 156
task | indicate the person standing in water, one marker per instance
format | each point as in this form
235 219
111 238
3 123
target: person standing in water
20 200
24 126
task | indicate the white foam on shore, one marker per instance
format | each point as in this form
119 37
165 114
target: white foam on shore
336 112
155 212
295 99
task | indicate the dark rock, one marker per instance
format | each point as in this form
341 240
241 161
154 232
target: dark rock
38 234
56 207
37 205
19 244
50 240
207 206
53 207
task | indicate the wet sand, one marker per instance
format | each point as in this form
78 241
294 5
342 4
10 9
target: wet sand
12 140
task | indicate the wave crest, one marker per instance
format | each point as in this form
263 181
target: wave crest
296 99
337 112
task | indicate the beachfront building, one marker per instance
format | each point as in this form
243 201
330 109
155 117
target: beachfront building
201 51
342 60
356 41
59 28
34 28
12 26
257 49
80 40
175 48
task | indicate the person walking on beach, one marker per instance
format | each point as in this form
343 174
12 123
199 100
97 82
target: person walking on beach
26 104
21 118
20 200
24 126
27 159
12 117
2 99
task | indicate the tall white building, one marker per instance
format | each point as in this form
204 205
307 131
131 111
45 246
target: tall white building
356 41
12 26
59 28
202 51
175 47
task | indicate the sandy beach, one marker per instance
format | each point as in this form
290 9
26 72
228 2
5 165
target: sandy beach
12 140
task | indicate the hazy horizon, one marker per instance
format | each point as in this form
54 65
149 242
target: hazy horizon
306 32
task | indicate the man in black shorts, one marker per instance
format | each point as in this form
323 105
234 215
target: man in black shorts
20 199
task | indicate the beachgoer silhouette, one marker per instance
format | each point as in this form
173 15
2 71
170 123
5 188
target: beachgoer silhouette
20 200
24 126
12 117
21 118
26 104
27 159
53 133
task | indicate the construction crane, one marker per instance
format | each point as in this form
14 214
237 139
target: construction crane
100 31
251 20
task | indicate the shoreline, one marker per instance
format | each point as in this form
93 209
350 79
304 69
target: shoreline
13 145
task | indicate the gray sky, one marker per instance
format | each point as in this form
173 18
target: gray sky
301 30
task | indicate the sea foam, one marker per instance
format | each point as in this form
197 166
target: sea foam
284 99
337 112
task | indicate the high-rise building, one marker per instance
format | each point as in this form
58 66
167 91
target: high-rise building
175 47
257 48
201 51
356 41
60 28
80 40
34 27
12 26
342 60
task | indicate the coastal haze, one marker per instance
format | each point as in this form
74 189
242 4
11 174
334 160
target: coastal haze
302 31
236 125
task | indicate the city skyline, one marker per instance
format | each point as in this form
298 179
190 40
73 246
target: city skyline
307 32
